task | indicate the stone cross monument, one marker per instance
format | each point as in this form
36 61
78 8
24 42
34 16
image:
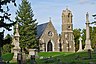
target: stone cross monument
80 45
16 48
87 41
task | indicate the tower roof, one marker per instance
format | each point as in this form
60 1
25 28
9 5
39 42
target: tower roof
66 11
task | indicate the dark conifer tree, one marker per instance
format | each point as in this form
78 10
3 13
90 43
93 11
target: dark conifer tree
27 26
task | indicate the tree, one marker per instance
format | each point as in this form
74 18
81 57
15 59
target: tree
94 32
76 33
27 26
4 15
93 38
7 47
83 37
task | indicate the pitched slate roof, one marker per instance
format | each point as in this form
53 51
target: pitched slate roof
40 29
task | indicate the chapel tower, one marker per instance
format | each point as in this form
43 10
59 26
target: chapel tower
67 38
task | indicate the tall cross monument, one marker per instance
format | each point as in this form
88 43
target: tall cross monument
80 45
87 41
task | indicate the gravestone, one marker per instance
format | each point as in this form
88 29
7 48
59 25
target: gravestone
80 45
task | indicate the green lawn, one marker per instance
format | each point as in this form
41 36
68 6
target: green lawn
53 54
66 58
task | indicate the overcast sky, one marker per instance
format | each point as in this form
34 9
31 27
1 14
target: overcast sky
43 9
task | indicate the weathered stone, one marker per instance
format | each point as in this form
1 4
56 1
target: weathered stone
87 41
16 48
67 38
80 45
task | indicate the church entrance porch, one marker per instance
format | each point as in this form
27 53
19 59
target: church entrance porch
49 46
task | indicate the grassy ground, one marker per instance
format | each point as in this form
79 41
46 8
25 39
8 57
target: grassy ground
64 57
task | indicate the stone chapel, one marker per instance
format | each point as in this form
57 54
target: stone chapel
50 41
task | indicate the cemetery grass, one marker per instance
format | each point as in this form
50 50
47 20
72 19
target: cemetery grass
65 58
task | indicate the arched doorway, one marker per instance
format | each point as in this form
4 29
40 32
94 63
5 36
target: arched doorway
49 46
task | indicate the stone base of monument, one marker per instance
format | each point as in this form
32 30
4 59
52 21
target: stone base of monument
15 51
80 50
88 45
86 49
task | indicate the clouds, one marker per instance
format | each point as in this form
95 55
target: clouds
83 1
87 1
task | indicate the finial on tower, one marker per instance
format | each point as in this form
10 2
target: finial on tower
17 25
50 19
66 7
17 32
87 17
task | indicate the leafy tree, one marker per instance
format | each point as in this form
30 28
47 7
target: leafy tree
93 38
94 32
4 15
27 26
76 33
7 47
83 37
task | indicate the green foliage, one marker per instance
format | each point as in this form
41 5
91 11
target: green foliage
83 37
69 58
7 56
93 38
76 33
7 47
53 54
5 15
27 25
